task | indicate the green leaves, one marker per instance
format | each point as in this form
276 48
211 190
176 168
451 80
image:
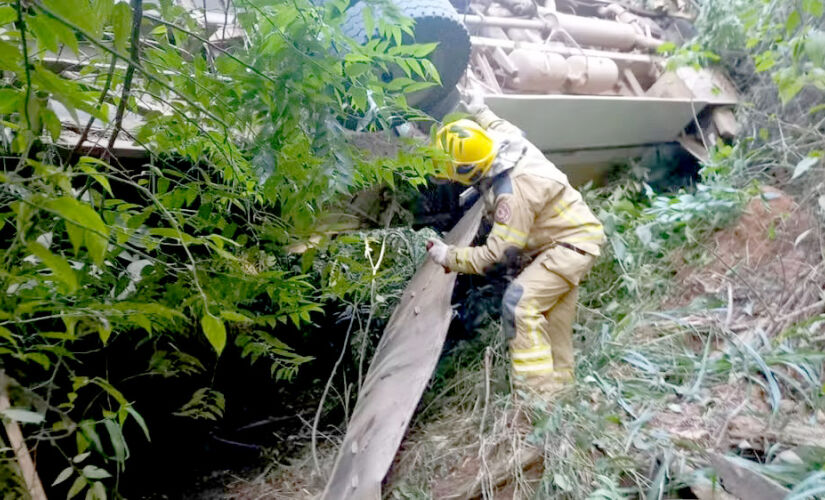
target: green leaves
119 446
93 472
789 83
104 330
50 33
140 421
21 415
88 165
205 404
11 100
7 14
89 476
804 165
83 224
815 47
369 22
70 93
78 12
793 22
815 8
78 486
10 56
765 61
215 332
784 39
64 475
63 272
121 25
666 48
96 492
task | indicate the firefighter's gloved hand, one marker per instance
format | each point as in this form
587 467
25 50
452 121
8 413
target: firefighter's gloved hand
523 8
437 250
473 100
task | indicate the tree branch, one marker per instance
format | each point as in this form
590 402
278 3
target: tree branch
216 47
103 93
317 419
21 25
134 60
147 74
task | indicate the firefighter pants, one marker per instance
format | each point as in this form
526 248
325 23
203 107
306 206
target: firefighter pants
538 310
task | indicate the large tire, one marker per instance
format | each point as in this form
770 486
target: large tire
438 109
435 21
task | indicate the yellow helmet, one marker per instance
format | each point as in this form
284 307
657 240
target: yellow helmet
470 148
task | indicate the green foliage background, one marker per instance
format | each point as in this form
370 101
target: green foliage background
187 248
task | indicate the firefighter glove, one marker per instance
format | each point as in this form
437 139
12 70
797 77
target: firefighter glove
473 100
437 250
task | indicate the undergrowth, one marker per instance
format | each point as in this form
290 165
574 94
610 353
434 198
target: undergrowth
655 387
673 385
664 383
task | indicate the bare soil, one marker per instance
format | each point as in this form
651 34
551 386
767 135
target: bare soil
768 270
764 255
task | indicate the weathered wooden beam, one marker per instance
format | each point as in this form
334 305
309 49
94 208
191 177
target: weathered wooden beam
399 372
745 483
18 444
794 433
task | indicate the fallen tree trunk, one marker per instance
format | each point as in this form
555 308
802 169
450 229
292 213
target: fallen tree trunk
400 370
792 433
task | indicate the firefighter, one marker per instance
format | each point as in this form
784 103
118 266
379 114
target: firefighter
537 214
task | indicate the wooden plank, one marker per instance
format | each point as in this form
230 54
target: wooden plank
706 85
694 147
399 372
745 483
792 433
18 444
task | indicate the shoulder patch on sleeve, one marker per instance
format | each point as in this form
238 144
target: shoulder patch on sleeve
502 184
503 212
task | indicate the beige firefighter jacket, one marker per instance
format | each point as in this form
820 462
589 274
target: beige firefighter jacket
531 203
